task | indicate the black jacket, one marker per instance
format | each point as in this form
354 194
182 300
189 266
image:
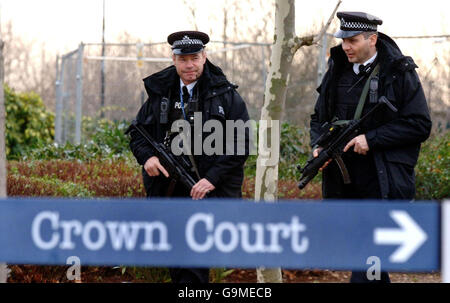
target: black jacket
220 101
394 138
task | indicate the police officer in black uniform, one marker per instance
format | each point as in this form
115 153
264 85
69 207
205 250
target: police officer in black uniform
367 65
192 87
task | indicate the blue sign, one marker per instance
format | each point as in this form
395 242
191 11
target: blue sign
222 233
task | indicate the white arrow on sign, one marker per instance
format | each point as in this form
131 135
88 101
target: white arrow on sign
409 236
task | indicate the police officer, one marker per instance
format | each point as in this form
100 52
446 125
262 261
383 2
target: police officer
181 92
380 161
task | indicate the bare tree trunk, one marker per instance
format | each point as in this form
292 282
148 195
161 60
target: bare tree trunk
283 50
271 113
3 174
224 35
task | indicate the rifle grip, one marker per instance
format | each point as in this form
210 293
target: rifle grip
343 170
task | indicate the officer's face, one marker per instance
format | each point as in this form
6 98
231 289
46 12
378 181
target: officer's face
189 67
359 49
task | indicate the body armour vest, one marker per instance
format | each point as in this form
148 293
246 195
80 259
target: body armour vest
361 168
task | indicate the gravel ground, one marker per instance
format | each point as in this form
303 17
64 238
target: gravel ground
329 276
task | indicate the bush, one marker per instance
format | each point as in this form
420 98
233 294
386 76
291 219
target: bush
28 123
294 150
433 169
107 136
106 140
75 179
44 186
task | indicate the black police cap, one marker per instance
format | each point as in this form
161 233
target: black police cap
187 42
354 23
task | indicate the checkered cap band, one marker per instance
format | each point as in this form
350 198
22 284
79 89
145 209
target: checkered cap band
357 26
186 41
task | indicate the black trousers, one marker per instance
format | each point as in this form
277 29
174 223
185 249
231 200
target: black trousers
364 185
361 277
189 275
177 274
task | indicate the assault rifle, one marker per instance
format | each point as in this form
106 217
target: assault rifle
176 166
333 140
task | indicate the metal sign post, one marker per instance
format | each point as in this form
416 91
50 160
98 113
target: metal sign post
79 95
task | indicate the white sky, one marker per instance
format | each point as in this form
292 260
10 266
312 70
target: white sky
63 24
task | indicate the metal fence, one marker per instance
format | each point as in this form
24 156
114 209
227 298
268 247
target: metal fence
91 86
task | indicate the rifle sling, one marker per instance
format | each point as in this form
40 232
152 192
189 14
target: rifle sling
190 156
362 98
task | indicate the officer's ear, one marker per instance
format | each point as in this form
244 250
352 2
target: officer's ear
204 56
373 39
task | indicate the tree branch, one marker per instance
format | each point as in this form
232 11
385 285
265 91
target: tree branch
298 42
327 25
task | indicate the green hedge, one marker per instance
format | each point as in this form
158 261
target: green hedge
104 140
433 169
294 150
28 123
